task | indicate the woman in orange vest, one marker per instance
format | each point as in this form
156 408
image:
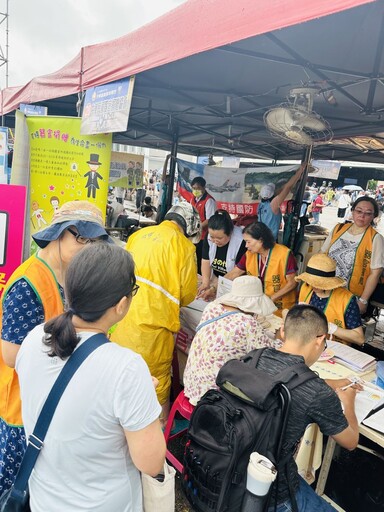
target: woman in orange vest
358 250
274 264
322 289
33 295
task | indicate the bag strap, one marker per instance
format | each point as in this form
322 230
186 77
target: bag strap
36 439
295 375
216 318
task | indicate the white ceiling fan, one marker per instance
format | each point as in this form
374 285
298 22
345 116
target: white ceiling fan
295 122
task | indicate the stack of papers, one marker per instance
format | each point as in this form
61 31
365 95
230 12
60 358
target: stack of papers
357 361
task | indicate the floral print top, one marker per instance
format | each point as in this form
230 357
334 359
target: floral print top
216 343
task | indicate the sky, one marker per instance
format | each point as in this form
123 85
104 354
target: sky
44 35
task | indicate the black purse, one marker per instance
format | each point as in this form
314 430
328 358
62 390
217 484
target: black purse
16 499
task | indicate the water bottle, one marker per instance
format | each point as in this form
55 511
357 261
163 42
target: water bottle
260 475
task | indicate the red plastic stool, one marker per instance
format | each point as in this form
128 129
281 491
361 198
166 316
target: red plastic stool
185 409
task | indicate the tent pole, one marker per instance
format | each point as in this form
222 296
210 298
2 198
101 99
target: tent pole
299 195
172 169
307 155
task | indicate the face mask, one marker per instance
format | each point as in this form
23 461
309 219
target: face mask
197 193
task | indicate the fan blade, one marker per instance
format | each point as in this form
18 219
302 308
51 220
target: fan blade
279 119
298 137
309 121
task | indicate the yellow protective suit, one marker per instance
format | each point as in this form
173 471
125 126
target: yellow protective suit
166 271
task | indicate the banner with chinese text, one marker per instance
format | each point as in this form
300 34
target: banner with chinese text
106 107
234 189
12 219
65 166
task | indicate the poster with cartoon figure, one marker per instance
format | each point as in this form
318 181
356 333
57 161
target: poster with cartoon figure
65 166
92 175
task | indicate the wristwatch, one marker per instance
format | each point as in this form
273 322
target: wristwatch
363 301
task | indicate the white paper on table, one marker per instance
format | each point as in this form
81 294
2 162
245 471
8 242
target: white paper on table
223 286
376 421
367 400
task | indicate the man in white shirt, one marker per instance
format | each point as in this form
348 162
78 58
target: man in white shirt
343 203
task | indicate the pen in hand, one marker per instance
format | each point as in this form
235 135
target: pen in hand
349 386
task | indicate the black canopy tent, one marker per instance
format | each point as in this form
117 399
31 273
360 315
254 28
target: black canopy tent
215 100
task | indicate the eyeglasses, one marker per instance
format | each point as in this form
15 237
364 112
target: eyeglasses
325 340
135 289
362 212
80 239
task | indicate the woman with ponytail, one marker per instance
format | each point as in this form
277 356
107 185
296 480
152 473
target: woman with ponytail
33 294
106 427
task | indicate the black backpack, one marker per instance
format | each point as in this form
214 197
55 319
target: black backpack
247 414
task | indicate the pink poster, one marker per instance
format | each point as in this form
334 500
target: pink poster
12 221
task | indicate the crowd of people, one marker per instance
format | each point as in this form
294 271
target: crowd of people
108 423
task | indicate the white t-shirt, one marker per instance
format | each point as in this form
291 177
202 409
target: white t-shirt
345 249
85 463
344 201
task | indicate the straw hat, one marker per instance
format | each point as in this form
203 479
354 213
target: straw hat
85 216
247 294
321 273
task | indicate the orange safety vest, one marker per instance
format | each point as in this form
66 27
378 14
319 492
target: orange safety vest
361 267
336 306
200 207
274 274
43 281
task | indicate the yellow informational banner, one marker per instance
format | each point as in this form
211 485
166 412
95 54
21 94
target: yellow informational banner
126 170
65 166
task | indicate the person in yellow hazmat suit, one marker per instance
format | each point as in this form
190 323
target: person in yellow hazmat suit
166 271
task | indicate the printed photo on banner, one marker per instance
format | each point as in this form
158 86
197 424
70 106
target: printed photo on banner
65 166
126 170
324 169
234 189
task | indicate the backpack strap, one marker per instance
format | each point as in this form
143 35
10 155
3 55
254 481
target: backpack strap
207 322
295 375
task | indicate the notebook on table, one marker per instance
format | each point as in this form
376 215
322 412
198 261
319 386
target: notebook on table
357 361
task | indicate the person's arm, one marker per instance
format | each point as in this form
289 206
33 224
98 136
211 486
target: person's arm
210 208
13 331
351 335
147 448
327 243
235 272
291 285
9 351
369 287
206 290
205 274
276 201
349 437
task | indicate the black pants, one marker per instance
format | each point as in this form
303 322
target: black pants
140 195
199 255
